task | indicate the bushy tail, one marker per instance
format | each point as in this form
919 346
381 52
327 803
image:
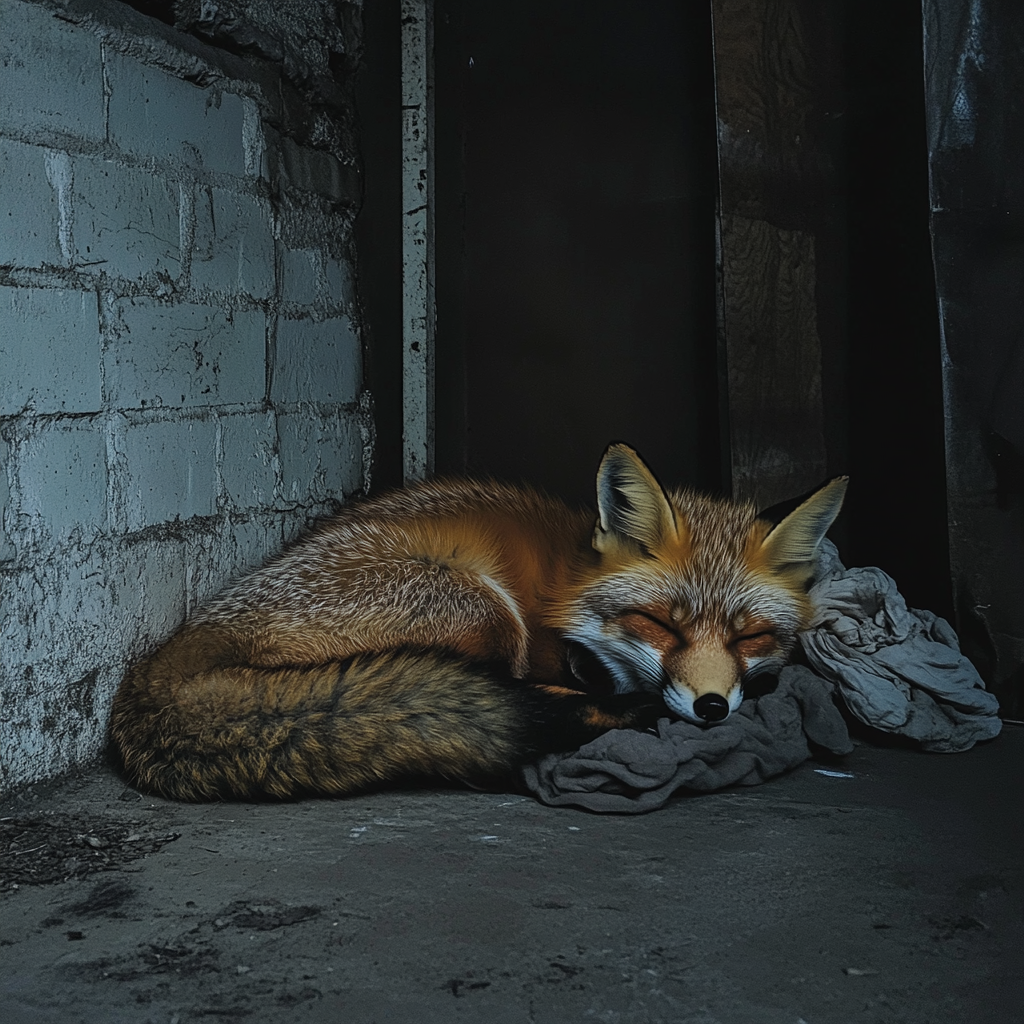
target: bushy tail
243 731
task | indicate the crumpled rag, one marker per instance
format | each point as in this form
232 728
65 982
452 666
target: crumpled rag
897 669
631 772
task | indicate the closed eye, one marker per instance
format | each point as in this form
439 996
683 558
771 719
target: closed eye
764 634
650 618
651 629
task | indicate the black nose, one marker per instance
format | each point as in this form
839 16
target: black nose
711 707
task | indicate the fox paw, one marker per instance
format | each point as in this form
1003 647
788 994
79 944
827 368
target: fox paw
561 719
625 711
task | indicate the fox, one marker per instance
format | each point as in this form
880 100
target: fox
456 629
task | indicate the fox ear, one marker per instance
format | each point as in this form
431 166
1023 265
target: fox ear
796 538
632 506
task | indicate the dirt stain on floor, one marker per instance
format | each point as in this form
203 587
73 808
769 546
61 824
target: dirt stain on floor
40 849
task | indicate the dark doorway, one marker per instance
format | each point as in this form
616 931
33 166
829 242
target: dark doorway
897 510
576 180
378 230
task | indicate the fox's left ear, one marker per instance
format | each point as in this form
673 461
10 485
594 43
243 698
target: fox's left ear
796 538
632 506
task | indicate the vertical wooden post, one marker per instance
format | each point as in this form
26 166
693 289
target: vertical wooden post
770 193
418 309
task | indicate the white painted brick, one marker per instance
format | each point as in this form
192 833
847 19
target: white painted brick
79 598
7 548
155 114
169 471
255 542
249 458
254 141
126 220
63 474
216 557
83 603
24 597
300 458
298 276
312 170
58 655
57 605
185 355
164 582
340 283
234 244
299 522
68 626
321 458
51 77
125 585
28 208
341 456
49 351
317 362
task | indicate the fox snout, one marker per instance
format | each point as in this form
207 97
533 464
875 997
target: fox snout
704 686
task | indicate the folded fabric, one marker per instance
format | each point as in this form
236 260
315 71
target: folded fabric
898 669
632 772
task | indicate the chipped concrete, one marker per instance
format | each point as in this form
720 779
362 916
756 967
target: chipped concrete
889 895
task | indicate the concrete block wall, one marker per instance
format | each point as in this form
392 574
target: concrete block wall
180 355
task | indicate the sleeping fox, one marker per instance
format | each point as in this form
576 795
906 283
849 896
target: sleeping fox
453 629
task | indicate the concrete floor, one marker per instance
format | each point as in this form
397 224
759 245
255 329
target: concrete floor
891 897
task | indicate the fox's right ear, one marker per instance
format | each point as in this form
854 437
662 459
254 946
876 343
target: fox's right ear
633 509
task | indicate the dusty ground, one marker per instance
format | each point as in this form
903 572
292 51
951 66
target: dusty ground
891 897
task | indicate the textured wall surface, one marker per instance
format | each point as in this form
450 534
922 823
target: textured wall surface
180 359
974 83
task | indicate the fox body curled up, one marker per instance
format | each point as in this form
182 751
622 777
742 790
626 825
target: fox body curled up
447 629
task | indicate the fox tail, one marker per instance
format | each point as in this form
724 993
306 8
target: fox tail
241 731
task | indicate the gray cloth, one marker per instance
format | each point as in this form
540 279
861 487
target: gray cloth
898 669
631 772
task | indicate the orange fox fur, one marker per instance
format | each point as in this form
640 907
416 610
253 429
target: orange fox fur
445 630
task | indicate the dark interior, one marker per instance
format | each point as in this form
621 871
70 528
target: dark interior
576 182
577 296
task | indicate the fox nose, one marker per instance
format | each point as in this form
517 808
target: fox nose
711 707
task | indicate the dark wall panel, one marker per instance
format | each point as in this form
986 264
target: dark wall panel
975 96
378 229
576 188
897 505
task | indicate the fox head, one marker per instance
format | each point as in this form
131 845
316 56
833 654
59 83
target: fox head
690 596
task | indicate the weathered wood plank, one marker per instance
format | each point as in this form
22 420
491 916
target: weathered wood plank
772 179
774 360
